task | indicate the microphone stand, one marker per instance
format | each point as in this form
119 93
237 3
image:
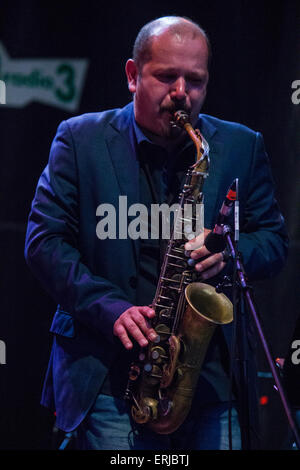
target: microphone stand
238 348
241 296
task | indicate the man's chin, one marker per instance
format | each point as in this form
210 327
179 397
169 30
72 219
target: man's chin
170 131
175 132
164 133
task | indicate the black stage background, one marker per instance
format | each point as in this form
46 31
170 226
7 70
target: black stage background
255 61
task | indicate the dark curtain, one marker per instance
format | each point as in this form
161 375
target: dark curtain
255 61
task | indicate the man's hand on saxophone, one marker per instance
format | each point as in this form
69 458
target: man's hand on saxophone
134 323
212 264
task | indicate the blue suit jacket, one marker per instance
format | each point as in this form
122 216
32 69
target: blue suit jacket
91 162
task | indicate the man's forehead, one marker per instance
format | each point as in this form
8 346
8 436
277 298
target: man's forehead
172 41
168 47
172 36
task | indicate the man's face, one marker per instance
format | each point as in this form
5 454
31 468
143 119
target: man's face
175 78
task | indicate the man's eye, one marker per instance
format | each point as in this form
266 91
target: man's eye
166 78
195 81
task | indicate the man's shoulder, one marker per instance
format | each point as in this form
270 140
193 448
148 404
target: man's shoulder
97 121
226 127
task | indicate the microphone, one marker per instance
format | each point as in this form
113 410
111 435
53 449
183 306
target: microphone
215 242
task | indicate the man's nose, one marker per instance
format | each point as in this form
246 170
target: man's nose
179 90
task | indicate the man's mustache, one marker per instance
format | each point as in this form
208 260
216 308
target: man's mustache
172 108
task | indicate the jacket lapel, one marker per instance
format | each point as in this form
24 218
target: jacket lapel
120 144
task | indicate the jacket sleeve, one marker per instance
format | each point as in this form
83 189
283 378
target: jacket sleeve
263 236
52 244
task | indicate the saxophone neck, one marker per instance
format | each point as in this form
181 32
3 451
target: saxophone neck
200 169
181 119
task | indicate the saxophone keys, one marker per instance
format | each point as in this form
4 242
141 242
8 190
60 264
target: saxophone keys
162 330
192 262
153 374
156 340
146 411
158 353
134 372
153 370
148 367
142 356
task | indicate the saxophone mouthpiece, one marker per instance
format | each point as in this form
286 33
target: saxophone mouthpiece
181 118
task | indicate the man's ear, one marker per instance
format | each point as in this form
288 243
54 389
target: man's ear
132 74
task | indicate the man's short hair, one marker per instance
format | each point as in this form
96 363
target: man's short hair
175 24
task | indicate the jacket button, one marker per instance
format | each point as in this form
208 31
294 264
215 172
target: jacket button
133 282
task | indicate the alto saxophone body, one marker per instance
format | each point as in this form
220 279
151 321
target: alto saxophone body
163 379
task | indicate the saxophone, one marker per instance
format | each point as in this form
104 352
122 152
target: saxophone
163 379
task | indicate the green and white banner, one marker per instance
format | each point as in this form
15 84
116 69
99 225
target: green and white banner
54 82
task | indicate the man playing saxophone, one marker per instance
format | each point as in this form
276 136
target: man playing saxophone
104 288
